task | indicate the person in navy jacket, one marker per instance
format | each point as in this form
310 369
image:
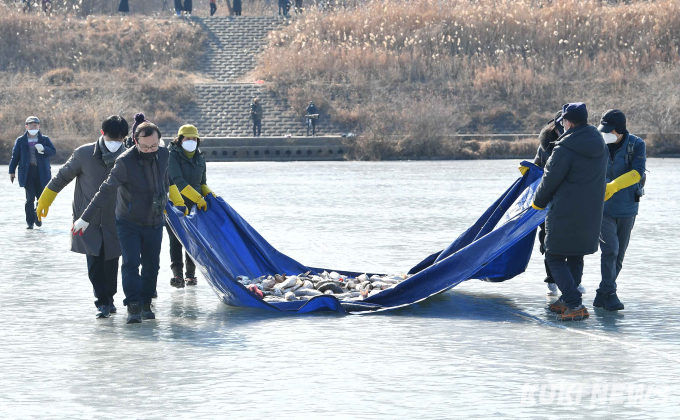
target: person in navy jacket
31 154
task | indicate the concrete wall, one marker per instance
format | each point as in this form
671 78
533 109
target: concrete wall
240 149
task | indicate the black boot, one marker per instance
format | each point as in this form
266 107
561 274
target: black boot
599 300
103 311
147 313
134 313
612 302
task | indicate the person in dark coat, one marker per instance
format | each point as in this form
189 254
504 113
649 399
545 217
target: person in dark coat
140 181
123 6
256 114
573 184
298 6
213 7
312 116
90 165
179 7
237 7
187 170
625 181
547 138
188 6
31 154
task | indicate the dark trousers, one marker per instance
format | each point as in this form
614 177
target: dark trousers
541 239
257 127
614 239
103 276
311 122
298 6
567 272
176 264
141 245
213 8
33 190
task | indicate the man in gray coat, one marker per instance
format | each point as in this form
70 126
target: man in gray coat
574 184
90 165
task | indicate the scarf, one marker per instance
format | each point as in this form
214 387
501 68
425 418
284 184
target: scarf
108 157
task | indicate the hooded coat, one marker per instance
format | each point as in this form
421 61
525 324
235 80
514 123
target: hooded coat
574 183
547 139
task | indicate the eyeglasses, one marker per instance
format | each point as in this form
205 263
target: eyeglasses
148 148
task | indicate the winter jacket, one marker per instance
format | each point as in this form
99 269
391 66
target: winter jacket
142 189
574 182
311 110
623 204
547 140
256 112
89 170
184 171
21 158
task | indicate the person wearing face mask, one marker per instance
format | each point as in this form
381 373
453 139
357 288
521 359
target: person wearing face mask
188 171
31 154
90 165
625 180
139 179
573 184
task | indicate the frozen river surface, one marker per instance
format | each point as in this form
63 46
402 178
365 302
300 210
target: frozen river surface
480 350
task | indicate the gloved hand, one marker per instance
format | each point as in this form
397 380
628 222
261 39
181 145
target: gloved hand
523 169
624 181
79 227
44 202
193 195
205 190
183 209
11 177
177 199
536 207
39 148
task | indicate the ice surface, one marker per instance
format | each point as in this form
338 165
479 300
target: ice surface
478 351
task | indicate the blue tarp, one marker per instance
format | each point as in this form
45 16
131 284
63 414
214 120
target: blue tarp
496 248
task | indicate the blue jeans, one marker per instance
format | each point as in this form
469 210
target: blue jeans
141 245
614 239
567 272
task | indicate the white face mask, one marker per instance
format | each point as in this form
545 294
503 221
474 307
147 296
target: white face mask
189 145
113 146
32 133
609 138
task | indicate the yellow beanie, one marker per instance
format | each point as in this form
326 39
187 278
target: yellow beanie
188 130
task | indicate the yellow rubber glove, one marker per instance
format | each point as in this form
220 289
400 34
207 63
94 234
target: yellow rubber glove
44 202
536 207
205 190
523 170
624 181
193 195
177 199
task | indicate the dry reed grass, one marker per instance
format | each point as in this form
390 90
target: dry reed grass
394 69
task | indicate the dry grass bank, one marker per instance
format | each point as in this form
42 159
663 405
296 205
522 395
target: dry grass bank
422 69
72 73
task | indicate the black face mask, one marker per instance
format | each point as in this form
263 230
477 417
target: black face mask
149 157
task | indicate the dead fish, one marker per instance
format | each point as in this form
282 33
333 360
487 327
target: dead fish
333 275
351 285
278 292
289 296
257 292
269 283
307 285
289 282
307 292
279 278
328 292
362 278
330 285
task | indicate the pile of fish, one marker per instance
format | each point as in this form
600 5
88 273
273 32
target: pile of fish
281 288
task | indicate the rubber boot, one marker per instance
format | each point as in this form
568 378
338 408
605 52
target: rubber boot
134 313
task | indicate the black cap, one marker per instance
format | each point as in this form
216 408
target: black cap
612 119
